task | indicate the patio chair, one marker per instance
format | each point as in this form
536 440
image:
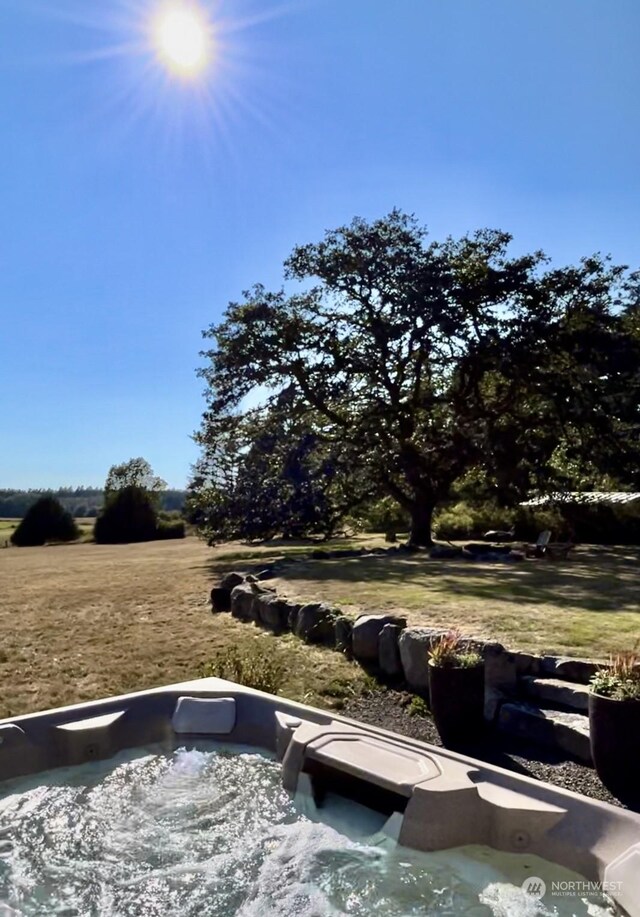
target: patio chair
552 550
538 549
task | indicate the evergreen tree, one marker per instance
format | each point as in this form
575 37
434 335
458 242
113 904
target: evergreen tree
45 521
129 514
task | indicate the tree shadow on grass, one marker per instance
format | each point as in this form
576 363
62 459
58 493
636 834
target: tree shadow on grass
594 579
255 556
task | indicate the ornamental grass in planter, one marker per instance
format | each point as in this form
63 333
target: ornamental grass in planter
456 690
614 726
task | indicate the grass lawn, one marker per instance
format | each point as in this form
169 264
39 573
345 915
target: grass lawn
83 621
587 605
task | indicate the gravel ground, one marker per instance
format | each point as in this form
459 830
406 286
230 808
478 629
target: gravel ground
389 710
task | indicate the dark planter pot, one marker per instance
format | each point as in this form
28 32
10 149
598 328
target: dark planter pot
614 728
457 703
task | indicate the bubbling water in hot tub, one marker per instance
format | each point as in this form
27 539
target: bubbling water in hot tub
209 831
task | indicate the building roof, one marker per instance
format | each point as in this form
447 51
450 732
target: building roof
585 496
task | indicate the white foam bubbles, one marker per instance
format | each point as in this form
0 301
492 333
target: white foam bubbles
202 832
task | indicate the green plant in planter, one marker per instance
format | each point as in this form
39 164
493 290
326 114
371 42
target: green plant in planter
621 680
456 690
451 650
614 726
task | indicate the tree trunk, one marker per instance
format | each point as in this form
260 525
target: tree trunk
421 518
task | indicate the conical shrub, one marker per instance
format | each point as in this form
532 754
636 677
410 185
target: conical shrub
129 515
47 520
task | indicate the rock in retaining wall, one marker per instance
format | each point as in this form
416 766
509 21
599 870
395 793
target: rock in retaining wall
246 598
241 601
220 599
569 669
389 651
500 670
555 729
415 646
528 664
315 623
344 635
273 612
231 580
292 620
221 594
366 632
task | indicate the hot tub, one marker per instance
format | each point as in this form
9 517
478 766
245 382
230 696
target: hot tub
213 799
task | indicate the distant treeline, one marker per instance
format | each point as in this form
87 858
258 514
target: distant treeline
79 501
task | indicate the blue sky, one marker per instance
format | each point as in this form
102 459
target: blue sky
134 207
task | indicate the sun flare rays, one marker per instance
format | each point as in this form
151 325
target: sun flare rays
190 70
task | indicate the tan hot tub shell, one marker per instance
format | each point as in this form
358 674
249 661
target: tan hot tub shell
446 799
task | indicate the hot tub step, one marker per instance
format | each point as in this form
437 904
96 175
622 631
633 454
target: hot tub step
558 692
568 732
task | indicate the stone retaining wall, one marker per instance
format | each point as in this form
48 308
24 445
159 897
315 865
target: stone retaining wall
384 643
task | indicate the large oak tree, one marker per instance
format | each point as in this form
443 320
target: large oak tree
420 361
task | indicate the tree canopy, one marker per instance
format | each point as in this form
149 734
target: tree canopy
130 511
417 363
273 473
137 472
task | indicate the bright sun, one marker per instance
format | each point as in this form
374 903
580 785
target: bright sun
182 38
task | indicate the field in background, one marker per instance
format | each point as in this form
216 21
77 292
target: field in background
83 621
7 528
